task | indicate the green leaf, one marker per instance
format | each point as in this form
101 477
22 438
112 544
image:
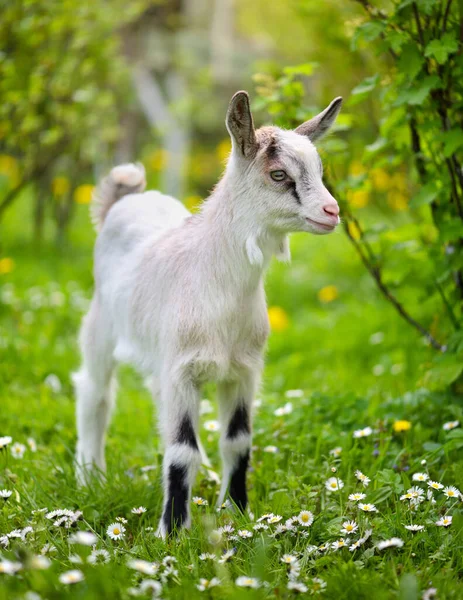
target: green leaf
368 32
441 49
410 61
418 93
408 587
453 140
445 370
426 195
361 91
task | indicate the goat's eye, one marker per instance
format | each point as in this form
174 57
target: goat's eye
278 175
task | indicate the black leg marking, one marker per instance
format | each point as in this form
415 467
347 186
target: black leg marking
239 423
238 482
186 434
175 511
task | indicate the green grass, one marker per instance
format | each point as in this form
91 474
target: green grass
348 382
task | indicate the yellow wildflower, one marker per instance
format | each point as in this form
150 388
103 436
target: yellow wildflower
158 159
401 426
356 168
60 186
328 294
358 198
354 230
6 265
397 200
380 179
83 194
278 318
9 167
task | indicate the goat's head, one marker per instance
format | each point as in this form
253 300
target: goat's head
283 170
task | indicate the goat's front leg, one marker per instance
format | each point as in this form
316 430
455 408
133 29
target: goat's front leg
235 408
179 423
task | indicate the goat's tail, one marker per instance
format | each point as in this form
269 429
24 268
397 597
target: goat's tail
122 180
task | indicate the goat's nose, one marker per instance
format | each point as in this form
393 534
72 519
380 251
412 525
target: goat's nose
331 209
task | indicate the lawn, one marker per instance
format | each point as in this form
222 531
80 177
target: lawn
343 427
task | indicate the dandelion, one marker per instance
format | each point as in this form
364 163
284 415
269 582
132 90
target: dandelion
328 294
420 477
278 318
336 451
116 531
357 496
85 538
284 410
450 491
400 426
70 577
5 494
4 441
244 533
271 449
363 478
205 584
414 528
297 586
444 522
17 450
143 566
249 582
138 511
333 484
305 518
365 432
368 507
435 485
450 425
212 426
349 527
394 542
199 501
98 557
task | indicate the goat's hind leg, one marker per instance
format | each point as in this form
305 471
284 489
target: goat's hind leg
95 391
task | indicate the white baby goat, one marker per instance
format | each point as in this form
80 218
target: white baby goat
182 298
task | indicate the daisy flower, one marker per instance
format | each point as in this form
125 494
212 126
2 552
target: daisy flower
227 529
5 494
138 511
98 557
363 478
40 563
289 559
17 450
150 585
365 432
168 561
354 546
336 451
116 531
394 542
227 556
205 584
122 520
294 393
420 477
70 577
342 543
260 527
270 449
212 426
265 517
4 441
297 586
250 582
450 425
207 556
32 444
414 527
305 518
205 407
9 567
199 501
333 484
429 594
318 585
274 519
435 485
244 533
284 410
368 507
143 566
450 491
349 527
444 522
85 538
357 496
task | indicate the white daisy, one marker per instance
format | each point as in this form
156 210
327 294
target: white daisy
420 477
349 527
450 491
207 556
244 533
41 563
205 407
333 484
274 519
289 559
305 518
342 543
435 485
318 585
227 556
365 432
270 449
4 441
212 426
265 517
5 494
17 450
394 542
227 529
116 531
138 511
199 501
205 584
368 507
250 582
98 557
9 567
32 444
70 577
414 527
284 410
357 496
354 546
363 478
122 520
75 559
336 451
85 538
150 585
297 586
169 561
260 527
444 522
294 393
143 566
429 594
450 425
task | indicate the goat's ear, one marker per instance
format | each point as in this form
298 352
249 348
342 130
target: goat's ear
319 125
240 125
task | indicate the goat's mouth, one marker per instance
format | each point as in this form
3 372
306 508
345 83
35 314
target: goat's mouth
323 226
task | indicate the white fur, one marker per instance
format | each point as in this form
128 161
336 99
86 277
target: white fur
181 297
